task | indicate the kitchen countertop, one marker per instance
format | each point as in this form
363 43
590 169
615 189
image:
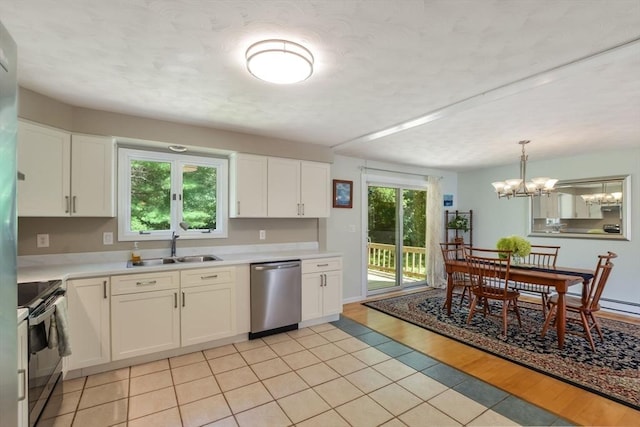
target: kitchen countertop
73 266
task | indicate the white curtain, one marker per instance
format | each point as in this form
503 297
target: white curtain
435 265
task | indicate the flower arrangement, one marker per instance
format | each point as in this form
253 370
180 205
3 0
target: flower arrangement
459 223
519 246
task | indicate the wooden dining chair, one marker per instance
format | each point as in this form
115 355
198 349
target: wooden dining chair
489 274
454 252
540 256
586 306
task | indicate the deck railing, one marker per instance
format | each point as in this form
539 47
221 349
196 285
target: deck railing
382 258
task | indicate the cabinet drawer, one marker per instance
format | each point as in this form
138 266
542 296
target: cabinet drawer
207 276
321 264
133 283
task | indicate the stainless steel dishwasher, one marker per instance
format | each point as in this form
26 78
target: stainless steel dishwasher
275 297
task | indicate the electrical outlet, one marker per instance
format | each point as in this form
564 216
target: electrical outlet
263 234
107 238
42 240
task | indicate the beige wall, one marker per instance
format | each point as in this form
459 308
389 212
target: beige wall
71 235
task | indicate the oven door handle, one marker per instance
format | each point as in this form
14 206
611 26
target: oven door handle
43 316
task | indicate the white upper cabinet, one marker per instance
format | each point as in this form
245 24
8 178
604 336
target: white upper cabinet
65 175
92 176
315 189
298 188
248 186
284 188
44 157
274 187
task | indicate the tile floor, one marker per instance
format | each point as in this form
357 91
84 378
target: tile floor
338 374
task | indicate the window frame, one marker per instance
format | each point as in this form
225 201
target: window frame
126 155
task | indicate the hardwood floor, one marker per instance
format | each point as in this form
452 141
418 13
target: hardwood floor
574 404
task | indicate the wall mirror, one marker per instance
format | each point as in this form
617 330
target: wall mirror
593 208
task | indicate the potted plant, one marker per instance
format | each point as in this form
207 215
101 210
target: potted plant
519 247
459 223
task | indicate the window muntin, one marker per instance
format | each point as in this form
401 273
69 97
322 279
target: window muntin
158 191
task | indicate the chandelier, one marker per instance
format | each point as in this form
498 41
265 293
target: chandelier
279 61
520 187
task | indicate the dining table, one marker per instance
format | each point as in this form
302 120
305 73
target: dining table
559 278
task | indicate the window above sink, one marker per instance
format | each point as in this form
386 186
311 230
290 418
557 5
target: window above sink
158 191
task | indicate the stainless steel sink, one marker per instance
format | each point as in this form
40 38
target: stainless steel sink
198 258
151 262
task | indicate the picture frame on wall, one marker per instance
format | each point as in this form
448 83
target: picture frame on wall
342 194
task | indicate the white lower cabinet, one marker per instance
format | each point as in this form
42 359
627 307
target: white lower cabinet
162 311
89 324
208 304
23 374
145 314
321 287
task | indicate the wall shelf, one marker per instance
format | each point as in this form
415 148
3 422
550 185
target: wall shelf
453 234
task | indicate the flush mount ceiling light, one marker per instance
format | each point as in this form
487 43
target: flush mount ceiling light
520 187
279 61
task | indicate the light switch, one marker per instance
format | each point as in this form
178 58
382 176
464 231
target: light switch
263 234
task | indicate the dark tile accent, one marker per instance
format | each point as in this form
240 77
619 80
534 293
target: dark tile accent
506 405
417 360
447 375
481 392
524 413
393 348
561 422
373 338
351 327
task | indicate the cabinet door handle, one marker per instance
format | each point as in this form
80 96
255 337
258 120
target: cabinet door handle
23 372
238 207
175 300
104 289
183 299
146 283
322 265
66 201
298 209
302 209
73 204
213 276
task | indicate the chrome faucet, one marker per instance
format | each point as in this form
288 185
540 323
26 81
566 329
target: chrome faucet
185 226
174 237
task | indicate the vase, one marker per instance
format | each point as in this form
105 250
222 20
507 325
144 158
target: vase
458 240
516 259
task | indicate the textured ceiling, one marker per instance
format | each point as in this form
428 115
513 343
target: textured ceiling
479 75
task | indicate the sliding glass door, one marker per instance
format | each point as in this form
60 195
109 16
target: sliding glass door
396 238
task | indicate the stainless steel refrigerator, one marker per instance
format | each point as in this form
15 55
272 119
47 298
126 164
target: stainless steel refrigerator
8 231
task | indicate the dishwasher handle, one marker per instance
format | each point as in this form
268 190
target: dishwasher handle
276 266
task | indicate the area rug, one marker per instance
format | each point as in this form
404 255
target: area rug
612 371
